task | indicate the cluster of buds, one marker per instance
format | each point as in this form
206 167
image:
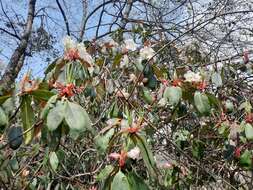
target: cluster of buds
72 54
27 85
201 85
68 90
249 118
176 82
123 155
237 152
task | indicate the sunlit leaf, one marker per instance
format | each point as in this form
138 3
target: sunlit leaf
173 95
49 105
104 173
120 182
202 103
55 116
249 131
27 116
76 117
3 118
53 160
42 94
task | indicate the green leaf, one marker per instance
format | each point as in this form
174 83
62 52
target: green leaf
4 98
14 164
76 117
53 160
146 153
214 101
202 103
104 173
249 131
15 137
27 116
55 116
198 149
42 94
173 95
3 118
216 79
120 182
245 159
102 141
136 182
49 105
147 95
117 60
247 106
229 106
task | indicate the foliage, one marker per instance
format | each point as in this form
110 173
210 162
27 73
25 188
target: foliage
118 118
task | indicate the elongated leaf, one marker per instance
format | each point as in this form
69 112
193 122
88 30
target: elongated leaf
3 118
42 94
4 98
249 131
55 116
120 182
49 105
53 160
103 141
136 182
202 103
147 95
27 116
104 173
173 94
214 101
76 117
146 153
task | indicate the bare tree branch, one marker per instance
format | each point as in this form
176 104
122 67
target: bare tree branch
64 17
17 58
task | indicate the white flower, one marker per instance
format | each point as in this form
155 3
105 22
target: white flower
130 45
147 52
68 43
124 61
192 77
134 153
84 54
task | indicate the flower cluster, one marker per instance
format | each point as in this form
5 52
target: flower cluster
68 90
74 51
133 154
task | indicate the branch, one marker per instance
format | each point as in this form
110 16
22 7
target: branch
126 14
17 58
87 18
64 17
85 9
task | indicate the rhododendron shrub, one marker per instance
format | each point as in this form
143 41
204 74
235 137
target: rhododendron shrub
114 115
